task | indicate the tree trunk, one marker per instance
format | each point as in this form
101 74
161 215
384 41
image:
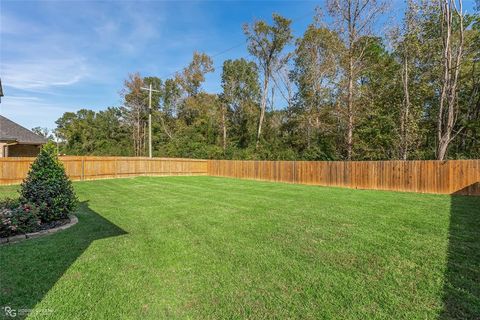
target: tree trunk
406 110
137 136
350 109
164 126
263 106
224 125
443 146
441 136
451 71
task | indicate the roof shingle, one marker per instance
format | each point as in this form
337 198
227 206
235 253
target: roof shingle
11 131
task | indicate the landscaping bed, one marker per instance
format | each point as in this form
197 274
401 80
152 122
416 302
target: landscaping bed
45 201
41 230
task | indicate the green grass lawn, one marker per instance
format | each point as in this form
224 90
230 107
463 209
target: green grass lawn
205 247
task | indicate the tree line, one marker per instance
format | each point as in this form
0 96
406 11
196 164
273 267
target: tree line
350 89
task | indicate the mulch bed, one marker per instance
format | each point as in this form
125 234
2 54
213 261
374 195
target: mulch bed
44 229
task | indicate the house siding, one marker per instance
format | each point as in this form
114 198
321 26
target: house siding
23 150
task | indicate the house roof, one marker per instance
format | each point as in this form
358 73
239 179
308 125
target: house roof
11 131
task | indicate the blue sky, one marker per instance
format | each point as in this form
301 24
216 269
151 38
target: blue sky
58 56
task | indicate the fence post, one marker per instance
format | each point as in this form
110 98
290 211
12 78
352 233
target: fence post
294 171
83 169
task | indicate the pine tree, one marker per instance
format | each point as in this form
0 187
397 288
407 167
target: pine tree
48 186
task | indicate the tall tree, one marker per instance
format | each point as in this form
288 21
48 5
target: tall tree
136 111
406 45
87 132
43 132
190 81
452 32
266 43
469 95
239 100
317 67
192 77
170 103
380 96
355 20
349 94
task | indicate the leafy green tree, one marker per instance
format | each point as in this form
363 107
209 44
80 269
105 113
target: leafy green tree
466 145
378 103
239 100
198 131
452 31
87 132
354 20
266 43
351 94
407 46
43 132
170 101
77 130
192 77
313 120
48 187
135 110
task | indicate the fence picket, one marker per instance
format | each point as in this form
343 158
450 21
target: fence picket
14 170
425 176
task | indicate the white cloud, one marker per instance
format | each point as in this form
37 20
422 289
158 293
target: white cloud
30 111
130 30
76 54
23 98
43 73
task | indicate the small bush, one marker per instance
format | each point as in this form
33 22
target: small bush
18 219
48 187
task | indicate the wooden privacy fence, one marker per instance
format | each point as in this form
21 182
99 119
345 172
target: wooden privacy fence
446 177
14 170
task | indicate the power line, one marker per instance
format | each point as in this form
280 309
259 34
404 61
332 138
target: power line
294 20
213 56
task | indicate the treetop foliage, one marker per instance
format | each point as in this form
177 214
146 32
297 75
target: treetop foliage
370 96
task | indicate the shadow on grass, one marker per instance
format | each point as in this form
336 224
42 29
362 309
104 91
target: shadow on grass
462 278
29 269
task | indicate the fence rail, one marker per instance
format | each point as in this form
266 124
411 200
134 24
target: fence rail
14 170
444 177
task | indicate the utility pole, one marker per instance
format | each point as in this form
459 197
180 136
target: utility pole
149 118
